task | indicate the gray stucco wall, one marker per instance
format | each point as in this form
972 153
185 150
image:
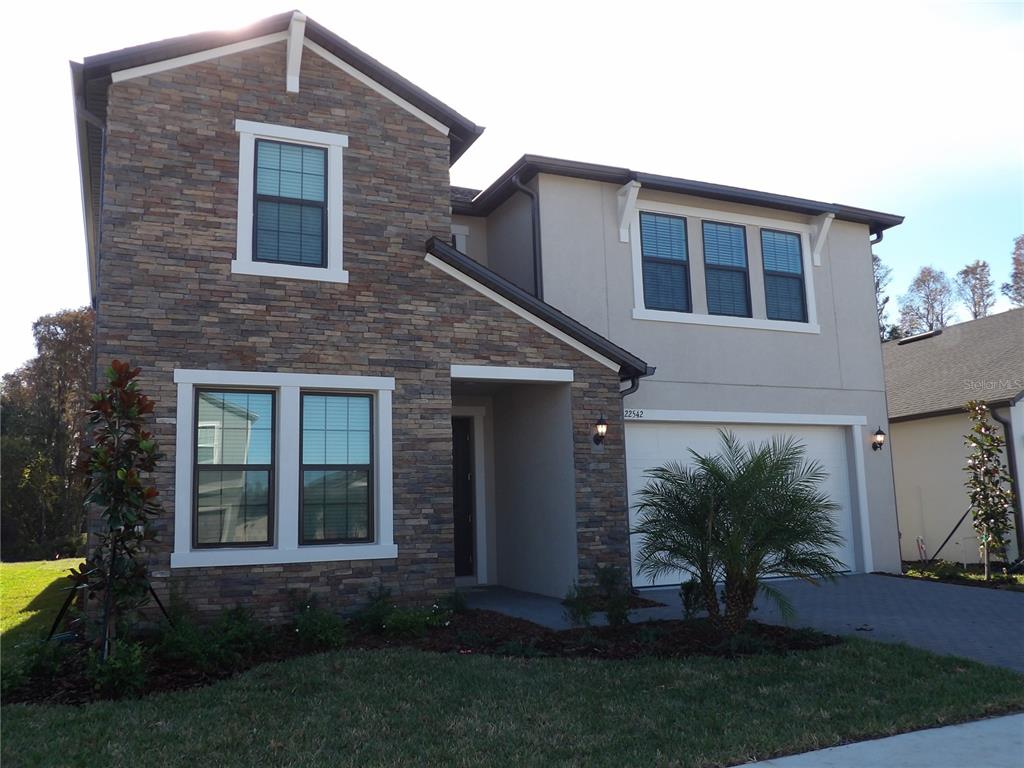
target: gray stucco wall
588 273
510 241
476 240
535 511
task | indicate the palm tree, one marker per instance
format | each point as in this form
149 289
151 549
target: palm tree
735 518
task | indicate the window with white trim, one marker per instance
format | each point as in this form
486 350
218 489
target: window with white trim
290 213
783 261
282 468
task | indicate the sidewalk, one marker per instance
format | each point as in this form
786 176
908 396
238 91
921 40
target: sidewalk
994 743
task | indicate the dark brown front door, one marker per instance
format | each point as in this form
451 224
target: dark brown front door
462 489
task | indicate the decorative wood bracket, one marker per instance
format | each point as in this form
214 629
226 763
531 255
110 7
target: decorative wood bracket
627 204
821 225
296 36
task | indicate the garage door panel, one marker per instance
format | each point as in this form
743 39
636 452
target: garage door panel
652 444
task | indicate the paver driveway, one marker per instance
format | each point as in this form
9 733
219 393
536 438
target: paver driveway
973 622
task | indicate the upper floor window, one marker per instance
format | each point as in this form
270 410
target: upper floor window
782 256
665 258
289 203
725 269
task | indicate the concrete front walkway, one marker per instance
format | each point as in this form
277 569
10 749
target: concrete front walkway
973 622
994 743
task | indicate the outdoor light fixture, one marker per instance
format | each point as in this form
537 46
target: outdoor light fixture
600 430
878 441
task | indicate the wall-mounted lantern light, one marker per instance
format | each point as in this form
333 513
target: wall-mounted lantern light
878 441
600 430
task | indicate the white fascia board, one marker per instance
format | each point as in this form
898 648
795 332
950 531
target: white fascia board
273 379
296 36
195 58
745 417
516 309
369 82
509 373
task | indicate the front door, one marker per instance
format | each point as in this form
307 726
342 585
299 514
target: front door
462 490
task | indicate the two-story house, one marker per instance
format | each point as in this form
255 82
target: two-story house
366 378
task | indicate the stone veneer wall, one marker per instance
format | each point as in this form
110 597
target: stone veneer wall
167 300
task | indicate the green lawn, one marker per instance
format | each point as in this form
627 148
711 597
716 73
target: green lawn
31 594
406 707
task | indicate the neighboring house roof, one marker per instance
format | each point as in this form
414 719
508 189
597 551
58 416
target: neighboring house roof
529 166
630 366
463 195
938 373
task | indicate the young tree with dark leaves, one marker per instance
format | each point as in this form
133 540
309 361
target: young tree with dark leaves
975 288
122 455
928 303
988 484
1014 290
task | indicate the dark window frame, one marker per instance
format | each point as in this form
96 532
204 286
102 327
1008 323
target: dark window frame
371 468
257 198
271 470
726 267
771 272
685 264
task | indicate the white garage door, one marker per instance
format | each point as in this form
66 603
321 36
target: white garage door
652 444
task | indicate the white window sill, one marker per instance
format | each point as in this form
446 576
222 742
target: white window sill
294 272
725 321
205 558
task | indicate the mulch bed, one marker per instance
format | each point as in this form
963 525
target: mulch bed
995 583
475 632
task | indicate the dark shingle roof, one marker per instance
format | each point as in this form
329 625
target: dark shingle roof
978 360
463 195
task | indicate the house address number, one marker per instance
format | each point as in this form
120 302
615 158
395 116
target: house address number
634 413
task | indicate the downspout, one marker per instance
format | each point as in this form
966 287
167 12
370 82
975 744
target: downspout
878 238
538 282
1011 459
634 385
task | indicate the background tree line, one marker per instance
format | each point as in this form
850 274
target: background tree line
41 432
931 299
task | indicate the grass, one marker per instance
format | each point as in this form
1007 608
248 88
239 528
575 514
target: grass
408 707
31 594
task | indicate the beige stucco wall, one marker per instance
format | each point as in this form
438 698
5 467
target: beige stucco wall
588 273
928 459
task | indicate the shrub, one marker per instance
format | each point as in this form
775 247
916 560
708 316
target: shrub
122 675
577 606
319 630
381 616
736 517
690 595
613 589
456 602
944 569
228 645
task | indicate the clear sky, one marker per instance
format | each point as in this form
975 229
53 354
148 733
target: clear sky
906 108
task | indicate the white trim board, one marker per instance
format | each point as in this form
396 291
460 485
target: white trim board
743 417
196 58
293 59
369 82
515 308
724 321
285 549
509 373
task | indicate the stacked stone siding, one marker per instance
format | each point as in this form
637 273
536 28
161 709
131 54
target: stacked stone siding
167 300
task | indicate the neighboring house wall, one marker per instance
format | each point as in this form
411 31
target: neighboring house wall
828 368
928 457
167 300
